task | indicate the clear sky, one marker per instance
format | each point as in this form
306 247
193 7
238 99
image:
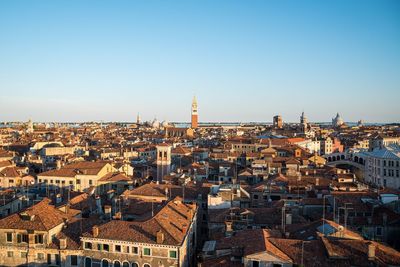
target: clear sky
244 60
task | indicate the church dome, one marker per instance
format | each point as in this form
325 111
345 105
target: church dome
155 124
164 124
337 121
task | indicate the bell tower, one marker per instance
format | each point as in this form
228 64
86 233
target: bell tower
163 161
195 119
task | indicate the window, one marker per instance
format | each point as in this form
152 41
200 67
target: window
88 262
40 256
135 250
126 264
9 237
146 251
24 254
127 249
255 196
48 258
58 260
117 248
104 263
22 238
10 254
79 182
74 260
106 247
172 254
39 239
146 265
90 182
134 264
378 230
88 245
117 264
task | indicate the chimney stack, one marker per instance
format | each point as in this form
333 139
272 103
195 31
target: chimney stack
184 228
371 251
107 211
58 162
58 198
63 243
160 237
95 231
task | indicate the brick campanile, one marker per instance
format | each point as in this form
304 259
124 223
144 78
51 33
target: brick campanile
195 118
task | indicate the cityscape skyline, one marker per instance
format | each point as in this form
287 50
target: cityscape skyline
245 63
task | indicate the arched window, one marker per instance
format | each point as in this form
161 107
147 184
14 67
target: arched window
146 265
342 157
125 264
134 264
88 262
104 263
117 264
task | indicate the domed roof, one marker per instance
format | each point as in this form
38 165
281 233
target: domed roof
164 124
155 123
337 121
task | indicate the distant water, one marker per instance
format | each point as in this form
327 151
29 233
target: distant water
187 124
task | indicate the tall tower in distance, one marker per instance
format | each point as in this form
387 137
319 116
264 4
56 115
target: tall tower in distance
195 118
277 122
163 161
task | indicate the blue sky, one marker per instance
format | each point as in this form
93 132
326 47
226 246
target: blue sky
244 60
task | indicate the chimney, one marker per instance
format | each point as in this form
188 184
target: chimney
63 243
58 199
160 237
95 231
184 228
107 211
58 162
371 251
228 227
118 216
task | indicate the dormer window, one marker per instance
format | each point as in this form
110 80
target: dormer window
27 217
